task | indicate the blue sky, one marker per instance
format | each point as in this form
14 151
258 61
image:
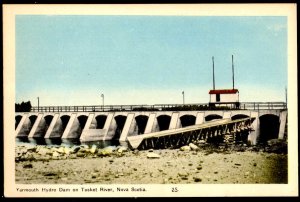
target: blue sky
72 60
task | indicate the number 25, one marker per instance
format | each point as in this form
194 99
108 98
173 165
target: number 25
174 189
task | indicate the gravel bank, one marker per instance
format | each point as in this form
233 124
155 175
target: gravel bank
82 165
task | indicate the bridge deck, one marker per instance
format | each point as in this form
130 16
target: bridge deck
176 137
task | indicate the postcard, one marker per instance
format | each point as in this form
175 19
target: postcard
149 100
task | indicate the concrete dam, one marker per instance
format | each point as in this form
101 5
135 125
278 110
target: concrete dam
123 125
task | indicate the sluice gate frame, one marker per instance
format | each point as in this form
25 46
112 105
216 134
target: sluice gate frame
226 129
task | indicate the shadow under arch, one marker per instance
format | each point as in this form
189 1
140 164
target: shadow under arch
163 122
32 120
101 119
64 120
187 120
212 117
17 120
269 127
141 122
82 121
239 116
120 120
48 120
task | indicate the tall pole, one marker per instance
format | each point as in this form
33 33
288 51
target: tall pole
38 103
232 73
213 73
183 96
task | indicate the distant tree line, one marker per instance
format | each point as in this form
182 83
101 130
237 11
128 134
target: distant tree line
23 107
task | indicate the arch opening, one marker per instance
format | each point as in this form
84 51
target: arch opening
101 119
187 120
82 121
48 120
239 116
141 122
32 120
213 117
269 127
163 122
64 119
17 119
120 120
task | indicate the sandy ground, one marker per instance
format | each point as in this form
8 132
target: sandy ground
173 166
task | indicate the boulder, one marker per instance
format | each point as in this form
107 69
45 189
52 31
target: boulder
28 157
182 174
107 151
197 178
27 166
83 150
199 167
94 175
185 148
153 155
80 154
31 148
93 150
122 149
84 146
61 150
75 149
68 150
193 147
43 151
22 151
55 154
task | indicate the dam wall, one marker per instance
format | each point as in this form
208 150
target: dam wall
96 126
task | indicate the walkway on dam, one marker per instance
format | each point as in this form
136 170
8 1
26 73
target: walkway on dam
163 107
224 130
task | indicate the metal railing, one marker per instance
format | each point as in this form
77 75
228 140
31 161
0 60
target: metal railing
165 107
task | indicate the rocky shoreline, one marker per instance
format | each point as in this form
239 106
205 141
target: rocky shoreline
194 163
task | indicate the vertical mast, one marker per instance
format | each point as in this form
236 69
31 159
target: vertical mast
213 73
232 73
